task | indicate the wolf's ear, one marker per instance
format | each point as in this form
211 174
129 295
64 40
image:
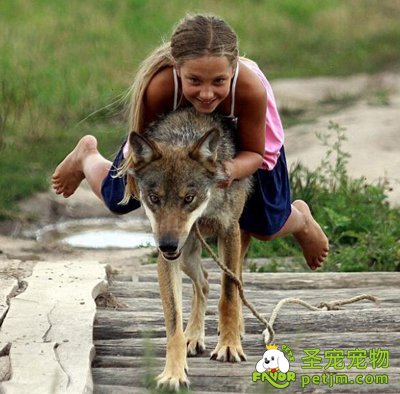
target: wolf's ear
144 151
205 149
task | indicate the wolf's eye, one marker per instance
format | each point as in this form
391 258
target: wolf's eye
189 198
154 198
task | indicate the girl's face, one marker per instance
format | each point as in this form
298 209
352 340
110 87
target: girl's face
206 81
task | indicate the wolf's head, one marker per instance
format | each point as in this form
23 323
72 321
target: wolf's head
175 183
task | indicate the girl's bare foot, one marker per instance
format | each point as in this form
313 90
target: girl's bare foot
69 173
312 239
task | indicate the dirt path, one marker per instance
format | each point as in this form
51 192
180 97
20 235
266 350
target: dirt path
368 107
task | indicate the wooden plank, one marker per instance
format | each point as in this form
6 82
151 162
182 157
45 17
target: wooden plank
253 343
237 377
125 338
132 324
201 369
147 290
155 350
118 389
266 302
312 280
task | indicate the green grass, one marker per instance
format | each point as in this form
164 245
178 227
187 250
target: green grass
64 67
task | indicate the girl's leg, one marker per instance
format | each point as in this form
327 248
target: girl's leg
84 161
308 233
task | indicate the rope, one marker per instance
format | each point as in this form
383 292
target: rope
269 333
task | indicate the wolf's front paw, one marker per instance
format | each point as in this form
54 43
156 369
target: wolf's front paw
195 347
172 380
229 353
195 342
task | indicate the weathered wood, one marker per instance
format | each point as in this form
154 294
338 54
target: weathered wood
130 343
156 351
132 324
253 344
117 389
146 299
237 377
150 290
286 281
113 389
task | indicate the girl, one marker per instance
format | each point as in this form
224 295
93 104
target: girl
201 67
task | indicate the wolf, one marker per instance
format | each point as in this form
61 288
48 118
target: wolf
176 165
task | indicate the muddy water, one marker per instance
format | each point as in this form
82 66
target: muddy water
99 233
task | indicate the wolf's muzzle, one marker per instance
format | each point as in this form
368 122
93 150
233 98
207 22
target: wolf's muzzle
168 246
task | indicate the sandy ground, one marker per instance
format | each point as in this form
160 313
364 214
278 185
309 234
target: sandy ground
366 106
371 119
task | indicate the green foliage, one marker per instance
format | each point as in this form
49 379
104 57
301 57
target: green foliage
363 230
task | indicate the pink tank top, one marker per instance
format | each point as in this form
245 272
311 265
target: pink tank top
274 135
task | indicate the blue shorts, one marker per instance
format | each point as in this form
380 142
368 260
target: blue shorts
268 207
112 189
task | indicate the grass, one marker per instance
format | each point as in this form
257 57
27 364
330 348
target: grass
64 67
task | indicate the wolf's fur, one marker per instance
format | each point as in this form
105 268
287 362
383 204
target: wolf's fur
176 165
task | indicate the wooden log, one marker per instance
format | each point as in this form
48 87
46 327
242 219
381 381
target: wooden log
118 389
150 291
237 378
253 343
127 324
125 347
312 280
155 351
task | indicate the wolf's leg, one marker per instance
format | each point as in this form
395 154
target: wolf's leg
229 347
245 238
175 371
192 267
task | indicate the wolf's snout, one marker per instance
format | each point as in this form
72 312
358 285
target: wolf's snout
169 247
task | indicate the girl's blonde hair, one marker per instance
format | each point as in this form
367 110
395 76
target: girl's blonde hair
195 36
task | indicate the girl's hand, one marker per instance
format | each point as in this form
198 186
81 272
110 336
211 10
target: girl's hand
228 168
243 165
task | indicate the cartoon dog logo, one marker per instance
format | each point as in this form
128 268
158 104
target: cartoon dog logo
273 360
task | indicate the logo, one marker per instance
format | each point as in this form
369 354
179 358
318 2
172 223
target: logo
329 367
274 367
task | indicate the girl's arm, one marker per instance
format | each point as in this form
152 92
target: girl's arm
159 96
251 107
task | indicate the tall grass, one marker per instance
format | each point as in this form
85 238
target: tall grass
64 65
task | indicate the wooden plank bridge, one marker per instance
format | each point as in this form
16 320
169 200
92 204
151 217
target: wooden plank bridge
130 341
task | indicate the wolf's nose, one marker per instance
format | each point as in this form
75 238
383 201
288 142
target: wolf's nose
168 245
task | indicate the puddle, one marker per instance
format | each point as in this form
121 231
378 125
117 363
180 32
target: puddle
99 234
101 239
